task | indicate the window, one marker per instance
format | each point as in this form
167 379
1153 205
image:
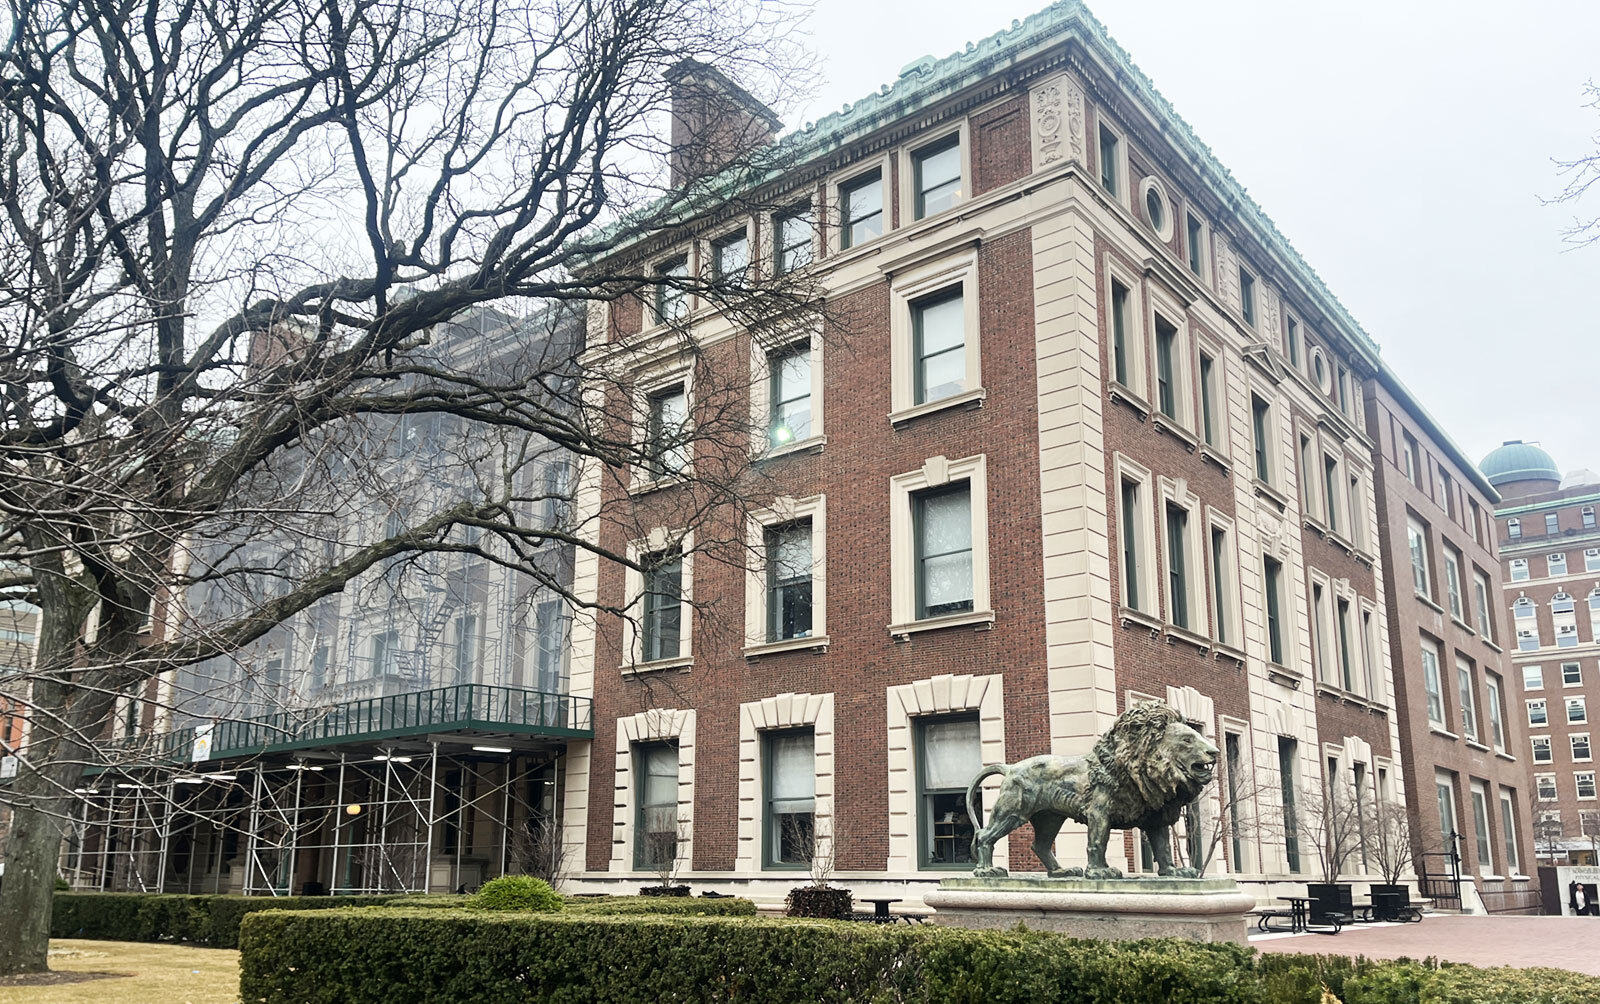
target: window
1591 559
1294 342
1594 613
1468 705
1532 677
939 346
1308 476
1585 783
1588 517
1347 653
1261 426
1411 462
1344 389
386 653
1195 238
550 629
1272 576
1571 674
1452 581
1135 577
1178 552
1291 824
1563 614
466 647
1432 684
1514 528
795 244
1167 393
1536 712
788 564
1556 563
936 177
319 668
1417 542
1577 713
666 443
1445 790
791 786
1369 636
730 257
949 755
1108 159
663 606
1357 512
1155 209
1477 521
1527 621
861 209
1247 296
1321 632
556 496
789 395
1480 592
1497 725
1480 827
942 527
1552 523
1223 587
1541 749
1231 744
656 836
1580 746
1519 569
1210 426
1545 787
672 294
1330 485
1122 368
1508 830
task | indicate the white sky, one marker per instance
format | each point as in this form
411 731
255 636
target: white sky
1401 146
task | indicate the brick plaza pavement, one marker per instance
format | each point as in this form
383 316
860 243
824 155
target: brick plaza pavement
1558 942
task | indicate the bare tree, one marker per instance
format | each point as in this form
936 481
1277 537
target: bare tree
1234 819
1581 174
1333 823
234 238
1389 838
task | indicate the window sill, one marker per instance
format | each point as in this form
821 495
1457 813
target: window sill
1436 730
978 619
1176 634
1271 494
1502 754
811 444
1522 878
1314 523
658 665
1132 616
1225 651
659 484
1216 456
1463 625
1284 676
817 642
970 399
1338 693
1480 747
1122 392
1425 601
1169 425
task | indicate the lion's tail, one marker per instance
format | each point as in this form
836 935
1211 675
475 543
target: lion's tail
972 791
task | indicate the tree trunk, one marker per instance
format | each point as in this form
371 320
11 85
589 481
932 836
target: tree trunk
25 895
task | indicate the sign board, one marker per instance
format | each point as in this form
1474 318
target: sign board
202 743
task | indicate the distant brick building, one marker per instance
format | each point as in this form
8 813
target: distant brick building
1549 543
19 630
1099 434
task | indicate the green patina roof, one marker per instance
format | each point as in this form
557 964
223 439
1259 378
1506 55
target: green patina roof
1518 461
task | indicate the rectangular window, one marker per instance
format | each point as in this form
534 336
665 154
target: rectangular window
1261 424
1195 236
466 648
1536 712
1291 824
1452 581
789 395
949 754
656 828
795 245
1222 584
1417 542
791 784
666 432
1208 401
1480 827
788 557
1545 786
1585 783
1294 342
1357 512
936 180
1508 830
1119 334
1591 559
555 503
1532 677
730 257
386 653
1308 475
1231 745
1445 790
1344 389
861 210
1571 674
1541 749
1467 703
319 668
1588 517
1247 296
1178 566
663 607
1321 633
1556 563
1330 486
939 345
1477 521
1410 460
1514 528
1166 368
1480 593
1272 575
1369 646
1130 518
1519 569
1580 745
550 629
1346 655
1552 523
1433 684
1577 712
672 294
1108 160
1497 725
942 528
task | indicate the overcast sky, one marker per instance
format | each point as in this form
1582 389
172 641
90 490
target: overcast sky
1403 148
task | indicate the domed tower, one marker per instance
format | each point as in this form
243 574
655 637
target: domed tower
1519 470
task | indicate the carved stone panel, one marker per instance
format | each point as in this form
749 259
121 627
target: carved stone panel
1057 116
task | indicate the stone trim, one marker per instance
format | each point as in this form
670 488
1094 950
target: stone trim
782 711
648 726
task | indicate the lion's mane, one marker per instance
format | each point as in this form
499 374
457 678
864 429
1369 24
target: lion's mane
1128 760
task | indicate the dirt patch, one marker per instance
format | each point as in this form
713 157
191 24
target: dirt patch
55 979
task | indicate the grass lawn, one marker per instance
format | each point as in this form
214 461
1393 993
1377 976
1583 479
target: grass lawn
142 974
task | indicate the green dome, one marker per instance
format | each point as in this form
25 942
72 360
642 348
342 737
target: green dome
1518 461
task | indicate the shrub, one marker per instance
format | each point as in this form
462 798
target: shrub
817 901
518 892
212 921
626 905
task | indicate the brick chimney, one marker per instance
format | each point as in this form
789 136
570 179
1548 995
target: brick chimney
714 121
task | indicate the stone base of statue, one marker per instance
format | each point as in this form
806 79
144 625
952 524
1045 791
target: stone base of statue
1196 909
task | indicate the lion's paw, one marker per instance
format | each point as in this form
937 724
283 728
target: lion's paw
1183 873
1106 872
989 871
1066 873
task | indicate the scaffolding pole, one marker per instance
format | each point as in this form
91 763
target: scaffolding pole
338 811
433 784
252 845
166 835
505 814
294 828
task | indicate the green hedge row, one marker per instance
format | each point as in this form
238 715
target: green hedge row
671 906
212 921
403 956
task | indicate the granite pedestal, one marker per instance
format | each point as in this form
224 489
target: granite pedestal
1197 909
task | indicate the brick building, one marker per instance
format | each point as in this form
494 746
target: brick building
19 629
1096 433
1461 730
1549 542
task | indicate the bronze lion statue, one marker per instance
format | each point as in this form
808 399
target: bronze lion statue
1142 773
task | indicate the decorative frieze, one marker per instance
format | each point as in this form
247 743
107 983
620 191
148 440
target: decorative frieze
1058 131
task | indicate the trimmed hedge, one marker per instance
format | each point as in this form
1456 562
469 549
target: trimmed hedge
403 956
662 906
518 892
212 921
